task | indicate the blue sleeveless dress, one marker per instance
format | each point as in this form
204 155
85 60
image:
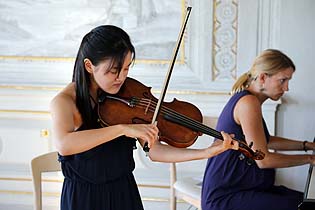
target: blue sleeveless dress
233 184
101 178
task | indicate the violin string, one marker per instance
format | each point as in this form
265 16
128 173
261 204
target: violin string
183 118
150 105
188 121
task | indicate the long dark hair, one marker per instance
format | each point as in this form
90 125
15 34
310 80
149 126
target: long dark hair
103 42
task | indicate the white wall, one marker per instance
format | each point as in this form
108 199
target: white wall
296 115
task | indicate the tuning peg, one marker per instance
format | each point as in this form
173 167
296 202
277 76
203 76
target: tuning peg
250 144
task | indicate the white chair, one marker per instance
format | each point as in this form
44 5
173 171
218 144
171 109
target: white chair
44 163
187 189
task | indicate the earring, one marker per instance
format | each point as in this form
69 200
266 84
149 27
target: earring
262 88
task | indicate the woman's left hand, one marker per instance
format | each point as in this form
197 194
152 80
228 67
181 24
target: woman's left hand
220 146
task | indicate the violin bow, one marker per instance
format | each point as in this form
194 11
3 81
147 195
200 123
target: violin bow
168 75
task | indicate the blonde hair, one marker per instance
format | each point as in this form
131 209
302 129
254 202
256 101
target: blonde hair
270 61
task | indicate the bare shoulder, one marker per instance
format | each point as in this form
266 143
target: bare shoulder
247 106
249 103
65 98
64 114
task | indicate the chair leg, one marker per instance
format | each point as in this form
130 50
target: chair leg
172 190
173 202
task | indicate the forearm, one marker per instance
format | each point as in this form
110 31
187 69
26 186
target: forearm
277 160
166 153
279 143
80 141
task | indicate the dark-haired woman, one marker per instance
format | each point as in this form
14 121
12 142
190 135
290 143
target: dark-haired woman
97 162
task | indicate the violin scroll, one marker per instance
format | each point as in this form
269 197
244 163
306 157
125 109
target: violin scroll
248 152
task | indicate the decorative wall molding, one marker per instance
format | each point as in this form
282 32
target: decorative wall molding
268 24
189 69
224 45
211 57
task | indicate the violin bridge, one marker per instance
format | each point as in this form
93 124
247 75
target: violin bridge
147 108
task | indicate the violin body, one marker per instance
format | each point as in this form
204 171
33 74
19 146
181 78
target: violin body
135 104
179 122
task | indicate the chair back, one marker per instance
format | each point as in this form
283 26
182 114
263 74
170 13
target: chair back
44 163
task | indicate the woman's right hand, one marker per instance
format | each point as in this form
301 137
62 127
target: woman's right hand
146 132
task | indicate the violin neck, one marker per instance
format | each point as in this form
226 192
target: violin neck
199 127
195 126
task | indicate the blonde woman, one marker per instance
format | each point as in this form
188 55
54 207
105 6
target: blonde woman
234 184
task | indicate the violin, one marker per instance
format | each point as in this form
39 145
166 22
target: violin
179 122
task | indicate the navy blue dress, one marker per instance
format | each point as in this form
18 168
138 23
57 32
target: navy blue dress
233 184
101 178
